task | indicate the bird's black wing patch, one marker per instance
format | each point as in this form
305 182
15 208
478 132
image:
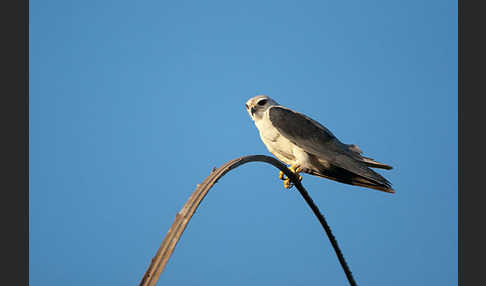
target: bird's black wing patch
315 139
298 126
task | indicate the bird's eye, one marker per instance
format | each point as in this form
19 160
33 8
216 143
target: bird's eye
262 102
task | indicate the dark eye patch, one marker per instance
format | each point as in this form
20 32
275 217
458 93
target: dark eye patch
262 102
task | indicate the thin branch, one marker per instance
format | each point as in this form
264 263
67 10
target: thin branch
157 264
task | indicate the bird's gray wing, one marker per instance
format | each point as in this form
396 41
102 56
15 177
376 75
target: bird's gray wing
315 139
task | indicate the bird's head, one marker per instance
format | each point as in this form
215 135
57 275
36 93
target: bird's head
257 105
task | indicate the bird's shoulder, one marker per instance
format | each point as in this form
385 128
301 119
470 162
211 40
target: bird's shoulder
296 124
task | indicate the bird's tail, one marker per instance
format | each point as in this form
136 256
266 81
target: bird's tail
347 177
374 164
368 161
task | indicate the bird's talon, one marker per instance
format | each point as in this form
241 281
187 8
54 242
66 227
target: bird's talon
287 184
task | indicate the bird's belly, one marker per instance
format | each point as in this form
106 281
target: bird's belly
287 151
278 145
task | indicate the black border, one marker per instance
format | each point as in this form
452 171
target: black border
14 115
471 123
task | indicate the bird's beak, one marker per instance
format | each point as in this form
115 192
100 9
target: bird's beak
252 111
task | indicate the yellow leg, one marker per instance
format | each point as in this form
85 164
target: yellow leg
295 169
287 183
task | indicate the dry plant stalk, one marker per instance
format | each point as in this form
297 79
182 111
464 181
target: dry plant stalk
158 262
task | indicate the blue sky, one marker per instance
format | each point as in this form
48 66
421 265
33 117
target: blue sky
132 103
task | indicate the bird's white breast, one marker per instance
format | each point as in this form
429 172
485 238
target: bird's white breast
277 144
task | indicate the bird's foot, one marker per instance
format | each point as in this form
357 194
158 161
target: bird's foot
287 183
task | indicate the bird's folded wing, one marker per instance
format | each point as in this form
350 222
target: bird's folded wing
315 139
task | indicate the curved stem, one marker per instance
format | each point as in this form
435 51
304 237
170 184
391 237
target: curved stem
157 264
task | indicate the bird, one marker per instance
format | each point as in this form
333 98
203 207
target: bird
308 147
